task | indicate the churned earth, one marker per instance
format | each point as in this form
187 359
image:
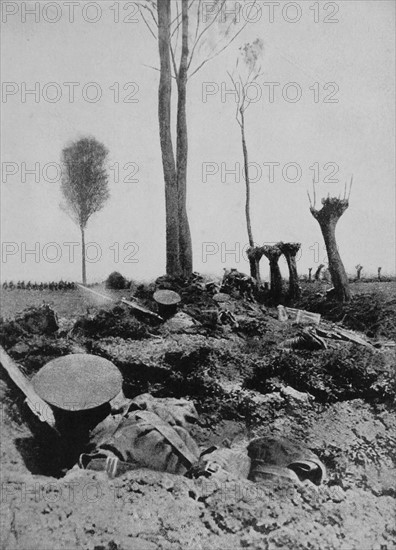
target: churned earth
338 402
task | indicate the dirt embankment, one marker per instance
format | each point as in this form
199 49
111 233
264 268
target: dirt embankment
221 368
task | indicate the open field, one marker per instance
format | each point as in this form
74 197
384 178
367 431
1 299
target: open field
67 303
71 303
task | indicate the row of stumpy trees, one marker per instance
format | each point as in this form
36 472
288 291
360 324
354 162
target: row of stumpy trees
190 33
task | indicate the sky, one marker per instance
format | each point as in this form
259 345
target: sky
331 116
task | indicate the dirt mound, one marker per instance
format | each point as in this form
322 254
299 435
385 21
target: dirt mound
349 372
243 387
114 322
373 313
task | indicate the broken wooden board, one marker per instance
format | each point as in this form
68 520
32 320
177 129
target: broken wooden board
302 316
132 305
141 309
352 337
96 293
37 405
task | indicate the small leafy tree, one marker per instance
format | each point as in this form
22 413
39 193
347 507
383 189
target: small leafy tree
116 281
84 184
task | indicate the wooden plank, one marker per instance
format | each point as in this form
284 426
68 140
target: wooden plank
96 293
37 405
352 337
132 305
142 309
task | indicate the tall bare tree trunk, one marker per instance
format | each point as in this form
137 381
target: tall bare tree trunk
83 259
185 245
173 266
331 211
253 260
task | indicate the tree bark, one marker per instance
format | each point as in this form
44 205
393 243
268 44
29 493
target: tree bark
254 255
338 274
185 245
83 258
318 272
289 250
273 254
331 211
173 266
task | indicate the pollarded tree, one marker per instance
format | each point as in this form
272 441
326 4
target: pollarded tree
318 272
289 250
84 184
327 217
273 253
245 74
358 271
182 28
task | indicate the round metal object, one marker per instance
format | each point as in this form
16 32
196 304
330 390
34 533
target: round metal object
166 297
78 382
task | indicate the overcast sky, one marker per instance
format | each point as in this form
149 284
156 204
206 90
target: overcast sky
352 132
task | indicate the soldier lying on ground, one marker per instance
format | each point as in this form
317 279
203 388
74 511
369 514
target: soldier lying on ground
105 431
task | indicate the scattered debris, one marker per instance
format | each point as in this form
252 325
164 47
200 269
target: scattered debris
351 336
221 297
235 281
301 316
226 317
308 339
181 322
274 457
213 287
133 305
113 322
38 320
282 315
36 404
140 309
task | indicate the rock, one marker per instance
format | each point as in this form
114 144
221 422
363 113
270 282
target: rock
19 349
180 323
221 297
291 393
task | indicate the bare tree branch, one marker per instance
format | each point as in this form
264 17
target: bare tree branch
155 69
178 29
178 17
309 198
225 46
239 98
204 30
146 23
151 10
350 187
217 53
